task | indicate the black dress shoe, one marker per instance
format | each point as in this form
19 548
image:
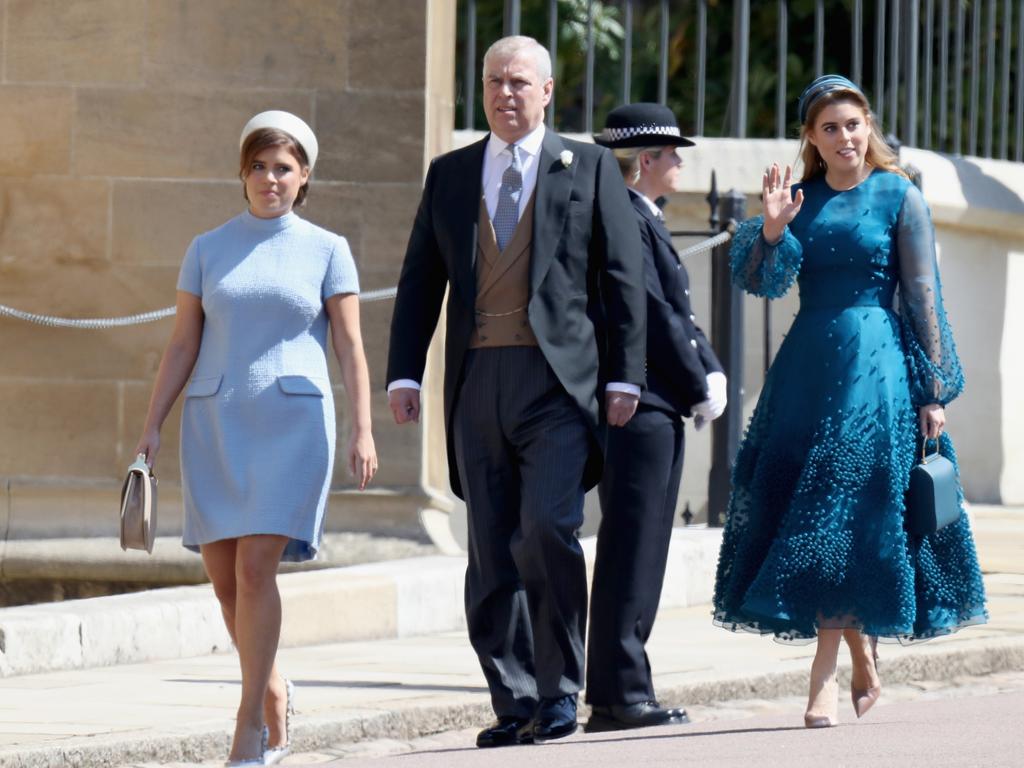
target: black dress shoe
506 732
556 719
620 717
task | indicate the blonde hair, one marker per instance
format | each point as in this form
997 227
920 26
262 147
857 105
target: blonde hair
629 161
878 154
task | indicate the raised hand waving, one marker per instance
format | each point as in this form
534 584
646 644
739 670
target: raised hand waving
780 207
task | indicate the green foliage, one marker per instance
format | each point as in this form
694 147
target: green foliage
684 47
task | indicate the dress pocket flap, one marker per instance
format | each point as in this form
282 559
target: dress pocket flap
299 385
203 387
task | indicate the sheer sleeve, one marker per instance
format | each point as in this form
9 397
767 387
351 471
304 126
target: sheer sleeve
935 372
759 267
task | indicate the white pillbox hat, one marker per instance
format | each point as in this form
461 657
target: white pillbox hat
284 121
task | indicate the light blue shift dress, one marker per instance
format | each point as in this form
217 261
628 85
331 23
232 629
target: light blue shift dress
257 428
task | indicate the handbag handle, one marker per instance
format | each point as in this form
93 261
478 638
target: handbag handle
141 465
924 447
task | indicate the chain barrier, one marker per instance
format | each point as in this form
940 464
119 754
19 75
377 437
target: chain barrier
90 323
381 294
94 323
706 245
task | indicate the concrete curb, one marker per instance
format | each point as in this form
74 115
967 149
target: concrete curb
398 598
409 722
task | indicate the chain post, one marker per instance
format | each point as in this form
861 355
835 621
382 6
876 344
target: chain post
712 200
727 339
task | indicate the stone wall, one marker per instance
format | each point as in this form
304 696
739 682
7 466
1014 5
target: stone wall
119 121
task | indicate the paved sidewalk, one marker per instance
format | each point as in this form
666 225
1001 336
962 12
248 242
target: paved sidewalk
181 710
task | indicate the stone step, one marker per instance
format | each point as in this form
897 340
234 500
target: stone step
101 559
396 598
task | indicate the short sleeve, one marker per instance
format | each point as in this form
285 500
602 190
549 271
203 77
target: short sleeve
190 278
762 268
341 274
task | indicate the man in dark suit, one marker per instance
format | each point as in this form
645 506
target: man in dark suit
535 240
644 459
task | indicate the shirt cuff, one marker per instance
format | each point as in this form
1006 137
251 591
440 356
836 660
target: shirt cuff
403 383
619 386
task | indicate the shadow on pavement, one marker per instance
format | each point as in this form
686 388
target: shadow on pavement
344 684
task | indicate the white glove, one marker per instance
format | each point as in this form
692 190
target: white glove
714 406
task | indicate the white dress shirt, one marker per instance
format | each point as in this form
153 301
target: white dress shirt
496 161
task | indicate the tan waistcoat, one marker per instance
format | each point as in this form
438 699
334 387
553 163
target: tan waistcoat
503 285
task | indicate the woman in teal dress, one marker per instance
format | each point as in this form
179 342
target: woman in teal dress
814 545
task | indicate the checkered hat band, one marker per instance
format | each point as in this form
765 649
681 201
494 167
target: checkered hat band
618 134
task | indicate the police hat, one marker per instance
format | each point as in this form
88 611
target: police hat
641 125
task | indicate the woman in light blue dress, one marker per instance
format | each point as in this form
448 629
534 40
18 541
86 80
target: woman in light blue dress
255 299
814 545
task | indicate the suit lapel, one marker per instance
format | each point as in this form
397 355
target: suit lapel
551 206
465 214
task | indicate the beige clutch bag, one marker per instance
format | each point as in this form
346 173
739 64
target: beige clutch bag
138 507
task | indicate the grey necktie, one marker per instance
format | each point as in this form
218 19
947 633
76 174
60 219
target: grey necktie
506 215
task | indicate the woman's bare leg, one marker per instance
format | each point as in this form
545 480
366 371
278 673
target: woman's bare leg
219 560
243 572
257 631
822 700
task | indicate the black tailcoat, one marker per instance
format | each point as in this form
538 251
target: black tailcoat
587 303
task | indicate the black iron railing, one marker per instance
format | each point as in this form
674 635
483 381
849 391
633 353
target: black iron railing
942 74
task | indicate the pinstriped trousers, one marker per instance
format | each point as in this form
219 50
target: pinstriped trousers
521 444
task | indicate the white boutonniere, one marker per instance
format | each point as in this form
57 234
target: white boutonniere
566 158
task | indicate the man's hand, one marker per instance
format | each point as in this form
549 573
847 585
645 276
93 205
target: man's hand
405 404
619 407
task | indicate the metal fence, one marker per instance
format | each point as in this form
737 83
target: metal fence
946 75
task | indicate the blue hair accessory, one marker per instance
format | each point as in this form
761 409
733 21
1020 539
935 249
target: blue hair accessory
820 87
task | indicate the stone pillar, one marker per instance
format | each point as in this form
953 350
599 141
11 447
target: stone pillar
120 123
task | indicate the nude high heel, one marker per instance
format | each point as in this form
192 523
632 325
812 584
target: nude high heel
865 698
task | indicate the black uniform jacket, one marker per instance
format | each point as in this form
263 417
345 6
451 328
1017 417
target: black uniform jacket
586 305
679 356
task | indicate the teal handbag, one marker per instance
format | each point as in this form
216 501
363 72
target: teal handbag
932 500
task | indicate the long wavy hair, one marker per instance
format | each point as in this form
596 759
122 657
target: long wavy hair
878 154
